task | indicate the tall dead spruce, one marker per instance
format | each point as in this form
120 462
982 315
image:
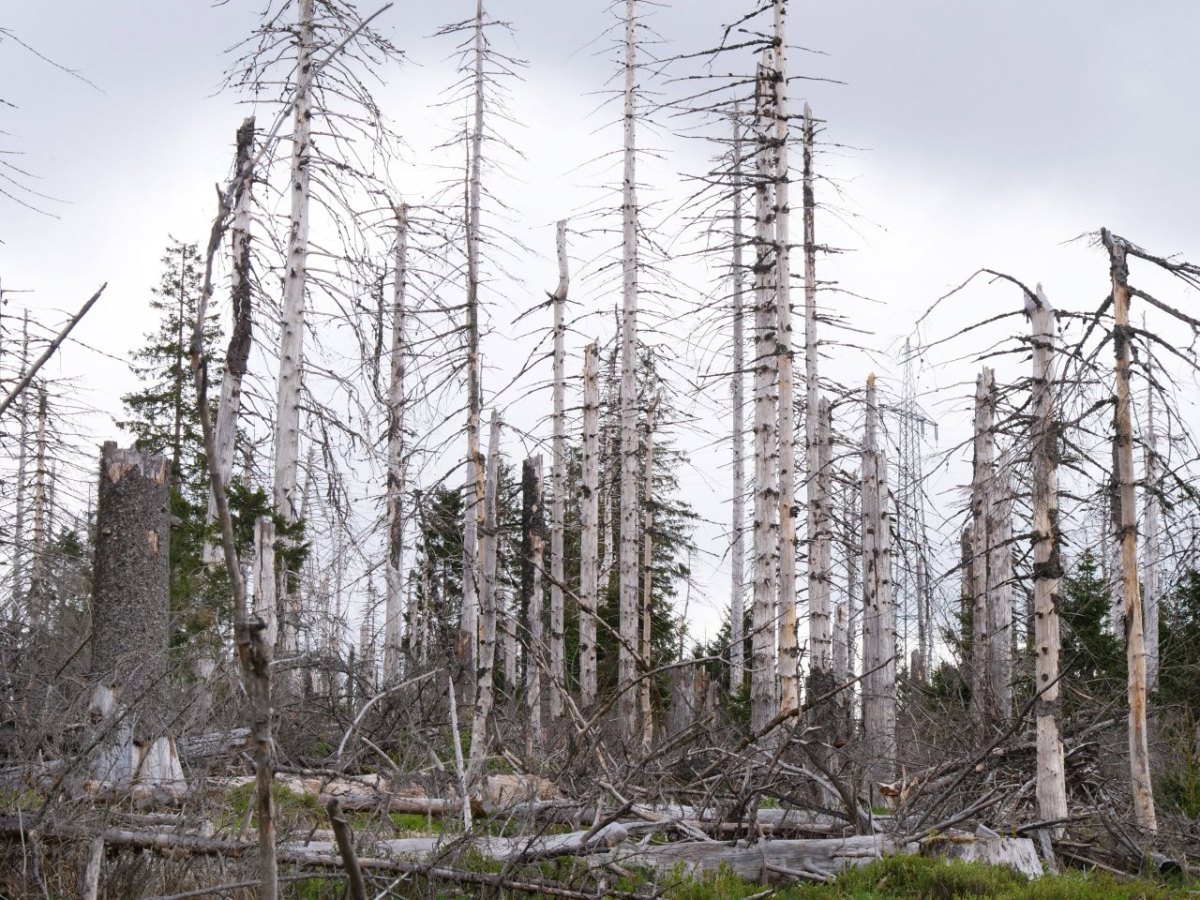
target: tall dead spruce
589 539
394 577
558 300
737 551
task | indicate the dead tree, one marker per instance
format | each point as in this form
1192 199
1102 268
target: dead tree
763 697
589 539
533 558
646 648
737 551
1153 552
982 477
879 614
1047 561
394 580
1135 648
484 671
130 622
558 300
1000 589
263 580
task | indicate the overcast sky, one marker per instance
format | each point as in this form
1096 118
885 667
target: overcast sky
968 134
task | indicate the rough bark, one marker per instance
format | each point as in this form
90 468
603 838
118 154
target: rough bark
237 356
22 502
879 626
628 618
763 697
1047 563
737 550
647 582
558 301
1000 591
531 585
589 543
263 579
397 400
983 698
1153 551
38 598
1135 649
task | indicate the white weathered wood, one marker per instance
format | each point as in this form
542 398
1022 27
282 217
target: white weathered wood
1135 648
37 599
589 538
1018 854
737 549
291 342
393 610
485 674
789 651
89 881
558 505
20 539
763 696
468 640
983 474
263 582
1047 562
879 628
1000 590
628 618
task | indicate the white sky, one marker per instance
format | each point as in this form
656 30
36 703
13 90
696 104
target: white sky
986 135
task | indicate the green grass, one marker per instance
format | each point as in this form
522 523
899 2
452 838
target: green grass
919 878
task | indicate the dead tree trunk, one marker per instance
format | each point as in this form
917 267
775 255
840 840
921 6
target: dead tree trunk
237 357
558 301
789 651
485 676
531 584
628 625
291 345
19 536
647 582
879 615
737 552
393 616
589 540
983 474
1047 563
129 622
1000 587
38 597
1139 755
263 579
763 697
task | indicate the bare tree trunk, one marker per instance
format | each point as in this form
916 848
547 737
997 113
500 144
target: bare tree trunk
291 346
393 617
1139 755
510 642
628 625
19 593
852 539
763 697
1153 552
237 356
468 639
263 580
485 676
1047 562
1116 578
531 585
558 506
879 623
38 599
789 653
1000 587
983 475
737 552
589 550
609 467
648 582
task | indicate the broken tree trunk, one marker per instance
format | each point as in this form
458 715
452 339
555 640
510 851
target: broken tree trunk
237 356
763 697
589 539
393 616
130 624
1135 649
879 615
558 300
485 674
1047 563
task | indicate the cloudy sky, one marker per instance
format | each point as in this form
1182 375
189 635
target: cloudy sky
958 135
